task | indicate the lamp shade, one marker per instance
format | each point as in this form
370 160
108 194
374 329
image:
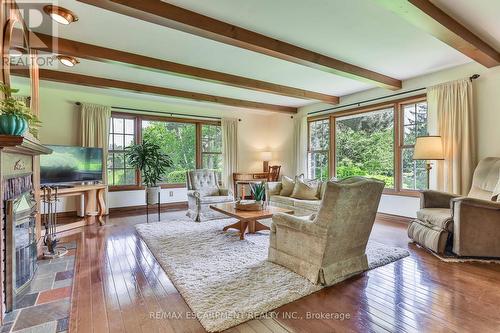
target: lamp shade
428 148
266 156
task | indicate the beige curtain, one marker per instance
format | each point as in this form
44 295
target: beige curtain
94 124
229 150
452 103
300 146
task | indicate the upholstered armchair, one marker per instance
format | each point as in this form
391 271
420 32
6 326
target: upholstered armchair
203 191
329 246
468 226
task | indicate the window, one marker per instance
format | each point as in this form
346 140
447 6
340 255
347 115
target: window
414 123
364 145
122 134
376 141
211 147
318 149
178 141
190 144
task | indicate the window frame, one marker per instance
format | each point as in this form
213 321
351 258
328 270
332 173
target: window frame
333 119
201 146
322 151
137 174
397 105
402 145
138 139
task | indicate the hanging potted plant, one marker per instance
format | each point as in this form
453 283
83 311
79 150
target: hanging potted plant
15 117
149 158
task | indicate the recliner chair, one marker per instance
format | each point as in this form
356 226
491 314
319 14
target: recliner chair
468 226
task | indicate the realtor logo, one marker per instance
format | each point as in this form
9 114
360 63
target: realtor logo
29 30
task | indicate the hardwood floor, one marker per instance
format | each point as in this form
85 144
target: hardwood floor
119 287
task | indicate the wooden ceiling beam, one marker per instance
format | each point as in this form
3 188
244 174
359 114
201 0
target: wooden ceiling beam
428 17
168 15
97 82
103 54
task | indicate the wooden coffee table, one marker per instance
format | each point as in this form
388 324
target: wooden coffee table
247 219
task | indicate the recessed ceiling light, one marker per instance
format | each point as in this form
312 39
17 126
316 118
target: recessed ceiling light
60 14
68 60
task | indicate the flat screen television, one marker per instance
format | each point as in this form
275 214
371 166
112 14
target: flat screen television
71 164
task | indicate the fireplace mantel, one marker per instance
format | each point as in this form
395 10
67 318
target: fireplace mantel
25 145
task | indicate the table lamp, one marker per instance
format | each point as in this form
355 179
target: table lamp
428 148
266 156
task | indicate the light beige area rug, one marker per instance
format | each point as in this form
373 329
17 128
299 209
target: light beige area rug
451 257
225 280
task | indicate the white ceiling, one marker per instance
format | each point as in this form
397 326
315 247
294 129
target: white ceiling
356 31
479 16
130 74
359 32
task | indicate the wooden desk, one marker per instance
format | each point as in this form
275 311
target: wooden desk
247 179
95 207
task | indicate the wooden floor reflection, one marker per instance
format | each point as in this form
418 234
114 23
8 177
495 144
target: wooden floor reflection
120 287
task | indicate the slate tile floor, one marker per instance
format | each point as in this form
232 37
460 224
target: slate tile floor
45 306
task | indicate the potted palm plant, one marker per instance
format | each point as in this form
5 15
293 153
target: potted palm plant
15 117
149 158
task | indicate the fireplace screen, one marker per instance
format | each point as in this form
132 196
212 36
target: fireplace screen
21 251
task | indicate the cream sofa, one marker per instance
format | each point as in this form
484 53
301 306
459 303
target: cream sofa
299 206
468 226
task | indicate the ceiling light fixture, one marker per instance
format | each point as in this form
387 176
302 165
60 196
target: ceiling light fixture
68 60
60 14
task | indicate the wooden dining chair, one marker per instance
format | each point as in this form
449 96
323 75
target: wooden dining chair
274 173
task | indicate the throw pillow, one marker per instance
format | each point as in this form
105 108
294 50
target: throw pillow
287 185
274 188
305 190
209 191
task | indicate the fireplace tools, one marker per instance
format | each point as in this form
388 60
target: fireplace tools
49 221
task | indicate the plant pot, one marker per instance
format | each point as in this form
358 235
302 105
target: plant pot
152 194
12 125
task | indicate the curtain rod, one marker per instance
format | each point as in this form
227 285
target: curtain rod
472 77
162 113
